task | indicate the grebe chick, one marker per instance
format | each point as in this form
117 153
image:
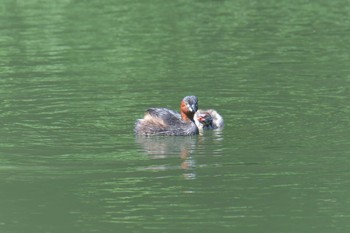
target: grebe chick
208 119
162 121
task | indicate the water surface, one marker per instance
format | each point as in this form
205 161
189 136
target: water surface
76 75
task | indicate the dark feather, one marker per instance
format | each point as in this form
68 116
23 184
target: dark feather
169 117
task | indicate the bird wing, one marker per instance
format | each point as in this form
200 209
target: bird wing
168 116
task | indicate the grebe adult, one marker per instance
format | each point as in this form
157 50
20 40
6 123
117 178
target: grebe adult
162 121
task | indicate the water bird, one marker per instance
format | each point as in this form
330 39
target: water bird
208 119
163 121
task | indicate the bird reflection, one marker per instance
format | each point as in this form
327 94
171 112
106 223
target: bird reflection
162 147
210 142
165 147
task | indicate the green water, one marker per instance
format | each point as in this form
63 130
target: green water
75 75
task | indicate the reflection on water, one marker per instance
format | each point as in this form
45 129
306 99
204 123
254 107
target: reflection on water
161 147
165 147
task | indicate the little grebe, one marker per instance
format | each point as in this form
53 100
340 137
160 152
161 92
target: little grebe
162 121
208 119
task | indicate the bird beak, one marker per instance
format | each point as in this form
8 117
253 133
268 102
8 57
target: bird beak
193 108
